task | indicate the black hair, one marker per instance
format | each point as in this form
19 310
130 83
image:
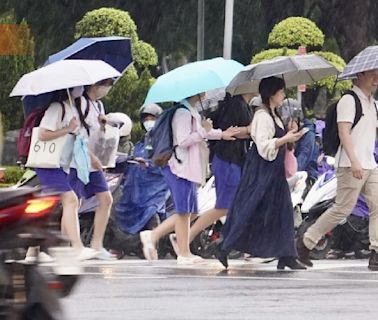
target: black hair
80 112
268 87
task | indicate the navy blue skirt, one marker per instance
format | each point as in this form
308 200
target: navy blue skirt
260 221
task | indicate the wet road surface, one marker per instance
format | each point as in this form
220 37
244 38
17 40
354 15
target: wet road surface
137 289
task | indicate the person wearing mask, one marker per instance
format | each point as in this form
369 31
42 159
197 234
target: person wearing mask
183 177
55 124
145 190
260 221
92 116
357 170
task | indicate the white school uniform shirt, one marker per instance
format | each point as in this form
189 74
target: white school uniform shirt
52 119
95 109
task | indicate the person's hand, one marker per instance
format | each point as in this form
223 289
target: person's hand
96 163
230 133
320 158
102 120
73 124
207 124
357 170
292 125
141 161
293 136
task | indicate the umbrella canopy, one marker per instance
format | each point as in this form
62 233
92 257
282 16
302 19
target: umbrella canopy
62 75
193 78
295 70
115 51
366 60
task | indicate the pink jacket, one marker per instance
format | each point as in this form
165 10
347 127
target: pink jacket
188 135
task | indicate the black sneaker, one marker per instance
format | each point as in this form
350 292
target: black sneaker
373 261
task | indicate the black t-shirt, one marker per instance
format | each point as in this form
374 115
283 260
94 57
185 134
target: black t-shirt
233 111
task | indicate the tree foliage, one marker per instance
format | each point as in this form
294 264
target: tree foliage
12 67
296 31
130 90
272 53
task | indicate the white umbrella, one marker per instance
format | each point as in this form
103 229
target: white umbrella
295 70
62 75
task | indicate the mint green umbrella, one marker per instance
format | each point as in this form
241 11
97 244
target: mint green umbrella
193 78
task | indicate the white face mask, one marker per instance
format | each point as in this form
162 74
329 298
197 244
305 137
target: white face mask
77 92
102 91
148 124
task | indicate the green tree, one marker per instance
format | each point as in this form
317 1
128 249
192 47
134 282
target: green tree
296 31
129 92
293 32
12 67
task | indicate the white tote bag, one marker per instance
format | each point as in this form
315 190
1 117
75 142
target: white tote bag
54 153
104 145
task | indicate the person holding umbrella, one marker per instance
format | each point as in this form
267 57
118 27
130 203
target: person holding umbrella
92 117
54 124
187 167
357 170
260 221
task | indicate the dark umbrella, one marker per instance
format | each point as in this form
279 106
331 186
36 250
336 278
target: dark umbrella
115 51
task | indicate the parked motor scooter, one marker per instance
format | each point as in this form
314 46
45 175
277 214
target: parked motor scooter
27 291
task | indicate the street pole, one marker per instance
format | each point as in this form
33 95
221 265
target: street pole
228 22
302 87
201 30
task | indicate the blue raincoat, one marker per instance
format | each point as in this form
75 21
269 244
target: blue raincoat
144 194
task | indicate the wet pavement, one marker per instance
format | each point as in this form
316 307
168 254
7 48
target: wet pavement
137 289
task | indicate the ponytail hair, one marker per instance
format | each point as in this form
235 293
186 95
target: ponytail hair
80 112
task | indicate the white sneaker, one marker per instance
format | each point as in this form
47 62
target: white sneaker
45 258
149 250
192 260
42 258
86 254
104 254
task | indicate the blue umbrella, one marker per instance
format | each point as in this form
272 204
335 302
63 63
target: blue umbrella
115 51
193 78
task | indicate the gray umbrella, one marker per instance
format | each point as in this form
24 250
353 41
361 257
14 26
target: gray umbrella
295 70
366 60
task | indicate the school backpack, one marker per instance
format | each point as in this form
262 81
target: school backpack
331 139
25 135
161 137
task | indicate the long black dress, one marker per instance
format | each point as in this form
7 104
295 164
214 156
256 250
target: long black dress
260 221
